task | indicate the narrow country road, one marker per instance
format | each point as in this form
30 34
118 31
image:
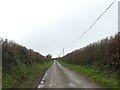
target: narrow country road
57 76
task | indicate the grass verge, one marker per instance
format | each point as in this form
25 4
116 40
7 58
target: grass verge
99 76
23 77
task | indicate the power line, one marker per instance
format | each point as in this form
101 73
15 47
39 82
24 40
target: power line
92 24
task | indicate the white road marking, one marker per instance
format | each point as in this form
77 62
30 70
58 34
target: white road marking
42 81
40 86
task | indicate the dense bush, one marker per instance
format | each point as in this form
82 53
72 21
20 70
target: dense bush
15 55
17 62
104 54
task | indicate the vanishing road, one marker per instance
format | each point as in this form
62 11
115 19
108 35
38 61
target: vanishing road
57 76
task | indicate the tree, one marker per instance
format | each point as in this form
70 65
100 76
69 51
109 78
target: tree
49 56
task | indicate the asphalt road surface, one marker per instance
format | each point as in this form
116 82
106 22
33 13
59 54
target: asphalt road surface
58 76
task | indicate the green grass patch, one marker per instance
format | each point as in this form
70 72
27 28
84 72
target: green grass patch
24 76
99 76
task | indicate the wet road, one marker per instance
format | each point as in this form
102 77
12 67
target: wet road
57 76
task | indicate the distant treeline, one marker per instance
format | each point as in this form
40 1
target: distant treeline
15 55
104 54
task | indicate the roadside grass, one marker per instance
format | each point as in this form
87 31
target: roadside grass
23 77
99 76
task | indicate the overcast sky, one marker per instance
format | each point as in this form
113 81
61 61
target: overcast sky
48 26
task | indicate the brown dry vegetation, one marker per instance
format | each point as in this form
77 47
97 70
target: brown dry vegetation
104 54
19 64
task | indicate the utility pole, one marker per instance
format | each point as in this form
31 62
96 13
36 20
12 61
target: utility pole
118 16
63 51
58 56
